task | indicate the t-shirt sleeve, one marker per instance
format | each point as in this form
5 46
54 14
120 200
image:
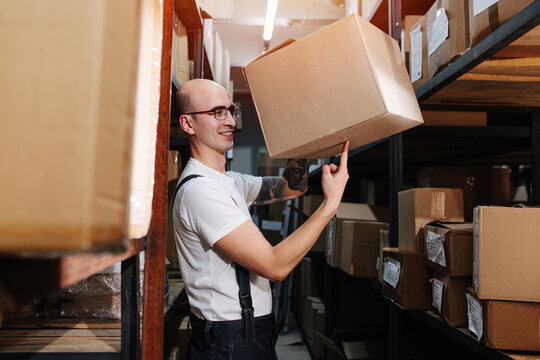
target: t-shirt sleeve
209 211
248 186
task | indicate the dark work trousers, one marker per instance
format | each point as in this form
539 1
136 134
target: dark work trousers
225 340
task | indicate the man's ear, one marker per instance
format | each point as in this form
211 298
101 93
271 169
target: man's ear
186 124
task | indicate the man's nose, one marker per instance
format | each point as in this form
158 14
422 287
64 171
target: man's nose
230 120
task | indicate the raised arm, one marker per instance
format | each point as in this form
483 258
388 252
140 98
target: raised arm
291 185
247 246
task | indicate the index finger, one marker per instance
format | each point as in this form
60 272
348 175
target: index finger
344 155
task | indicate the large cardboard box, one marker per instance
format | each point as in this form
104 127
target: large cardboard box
447 33
417 207
449 248
481 185
506 248
360 244
512 325
406 279
348 211
418 67
485 16
69 84
340 73
449 298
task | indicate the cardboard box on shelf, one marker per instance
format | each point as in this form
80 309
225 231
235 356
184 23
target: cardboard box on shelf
506 249
384 242
454 118
486 16
481 185
352 349
406 279
339 73
270 167
449 248
447 33
449 298
419 206
360 244
348 211
374 192
311 303
512 325
68 156
418 55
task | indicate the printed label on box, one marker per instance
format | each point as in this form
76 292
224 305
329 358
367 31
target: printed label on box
416 53
474 314
437 287
481 5
439 31
435 248
392 268
330 236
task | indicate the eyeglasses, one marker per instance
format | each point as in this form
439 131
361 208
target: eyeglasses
220 113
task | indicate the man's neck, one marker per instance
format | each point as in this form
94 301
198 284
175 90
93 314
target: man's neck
214 161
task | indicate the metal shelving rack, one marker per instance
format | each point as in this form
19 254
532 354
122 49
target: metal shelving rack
491 141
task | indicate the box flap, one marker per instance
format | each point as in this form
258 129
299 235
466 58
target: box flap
281 45
451 225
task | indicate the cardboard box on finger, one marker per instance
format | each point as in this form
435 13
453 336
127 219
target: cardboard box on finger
346 81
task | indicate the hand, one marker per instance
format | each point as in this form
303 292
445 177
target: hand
334 179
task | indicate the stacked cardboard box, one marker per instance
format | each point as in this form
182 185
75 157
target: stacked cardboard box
448 251
349 212
504 306
180 57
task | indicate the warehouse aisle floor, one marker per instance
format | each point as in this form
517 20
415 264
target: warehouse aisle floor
290 346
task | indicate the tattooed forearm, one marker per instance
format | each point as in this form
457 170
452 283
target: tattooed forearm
296 174
271 189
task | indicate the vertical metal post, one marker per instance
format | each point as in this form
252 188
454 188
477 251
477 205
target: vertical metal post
130 333
536 158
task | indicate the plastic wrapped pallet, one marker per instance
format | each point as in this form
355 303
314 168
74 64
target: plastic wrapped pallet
69 80
146 117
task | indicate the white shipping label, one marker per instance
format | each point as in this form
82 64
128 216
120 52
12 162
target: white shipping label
474 314
439 31
392 268
437 287
481 5
416 53
330 236
435 248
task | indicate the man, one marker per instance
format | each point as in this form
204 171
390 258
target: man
226 262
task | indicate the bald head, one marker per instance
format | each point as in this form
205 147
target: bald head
195 93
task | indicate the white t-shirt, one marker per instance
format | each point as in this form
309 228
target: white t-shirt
204 212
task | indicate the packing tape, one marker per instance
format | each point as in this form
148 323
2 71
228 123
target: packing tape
493 12
438 202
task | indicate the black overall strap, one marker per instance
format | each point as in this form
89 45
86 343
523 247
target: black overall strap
242 279
244 294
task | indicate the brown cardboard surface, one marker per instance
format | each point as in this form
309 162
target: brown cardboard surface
340 73
360 244
270 167
506 249
490 19
69 71
348 211
424 78
454 118
454 302
458 248
384 242
419 206
457 41
413 291
481 185
512 325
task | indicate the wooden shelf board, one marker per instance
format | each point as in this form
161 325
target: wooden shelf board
189 13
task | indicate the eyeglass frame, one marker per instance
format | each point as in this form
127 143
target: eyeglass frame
233 110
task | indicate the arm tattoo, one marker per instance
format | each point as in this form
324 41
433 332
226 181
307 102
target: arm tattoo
296 174
271 189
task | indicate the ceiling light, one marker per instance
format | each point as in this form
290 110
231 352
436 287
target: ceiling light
271 9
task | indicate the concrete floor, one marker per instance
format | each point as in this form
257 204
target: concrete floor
290 346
